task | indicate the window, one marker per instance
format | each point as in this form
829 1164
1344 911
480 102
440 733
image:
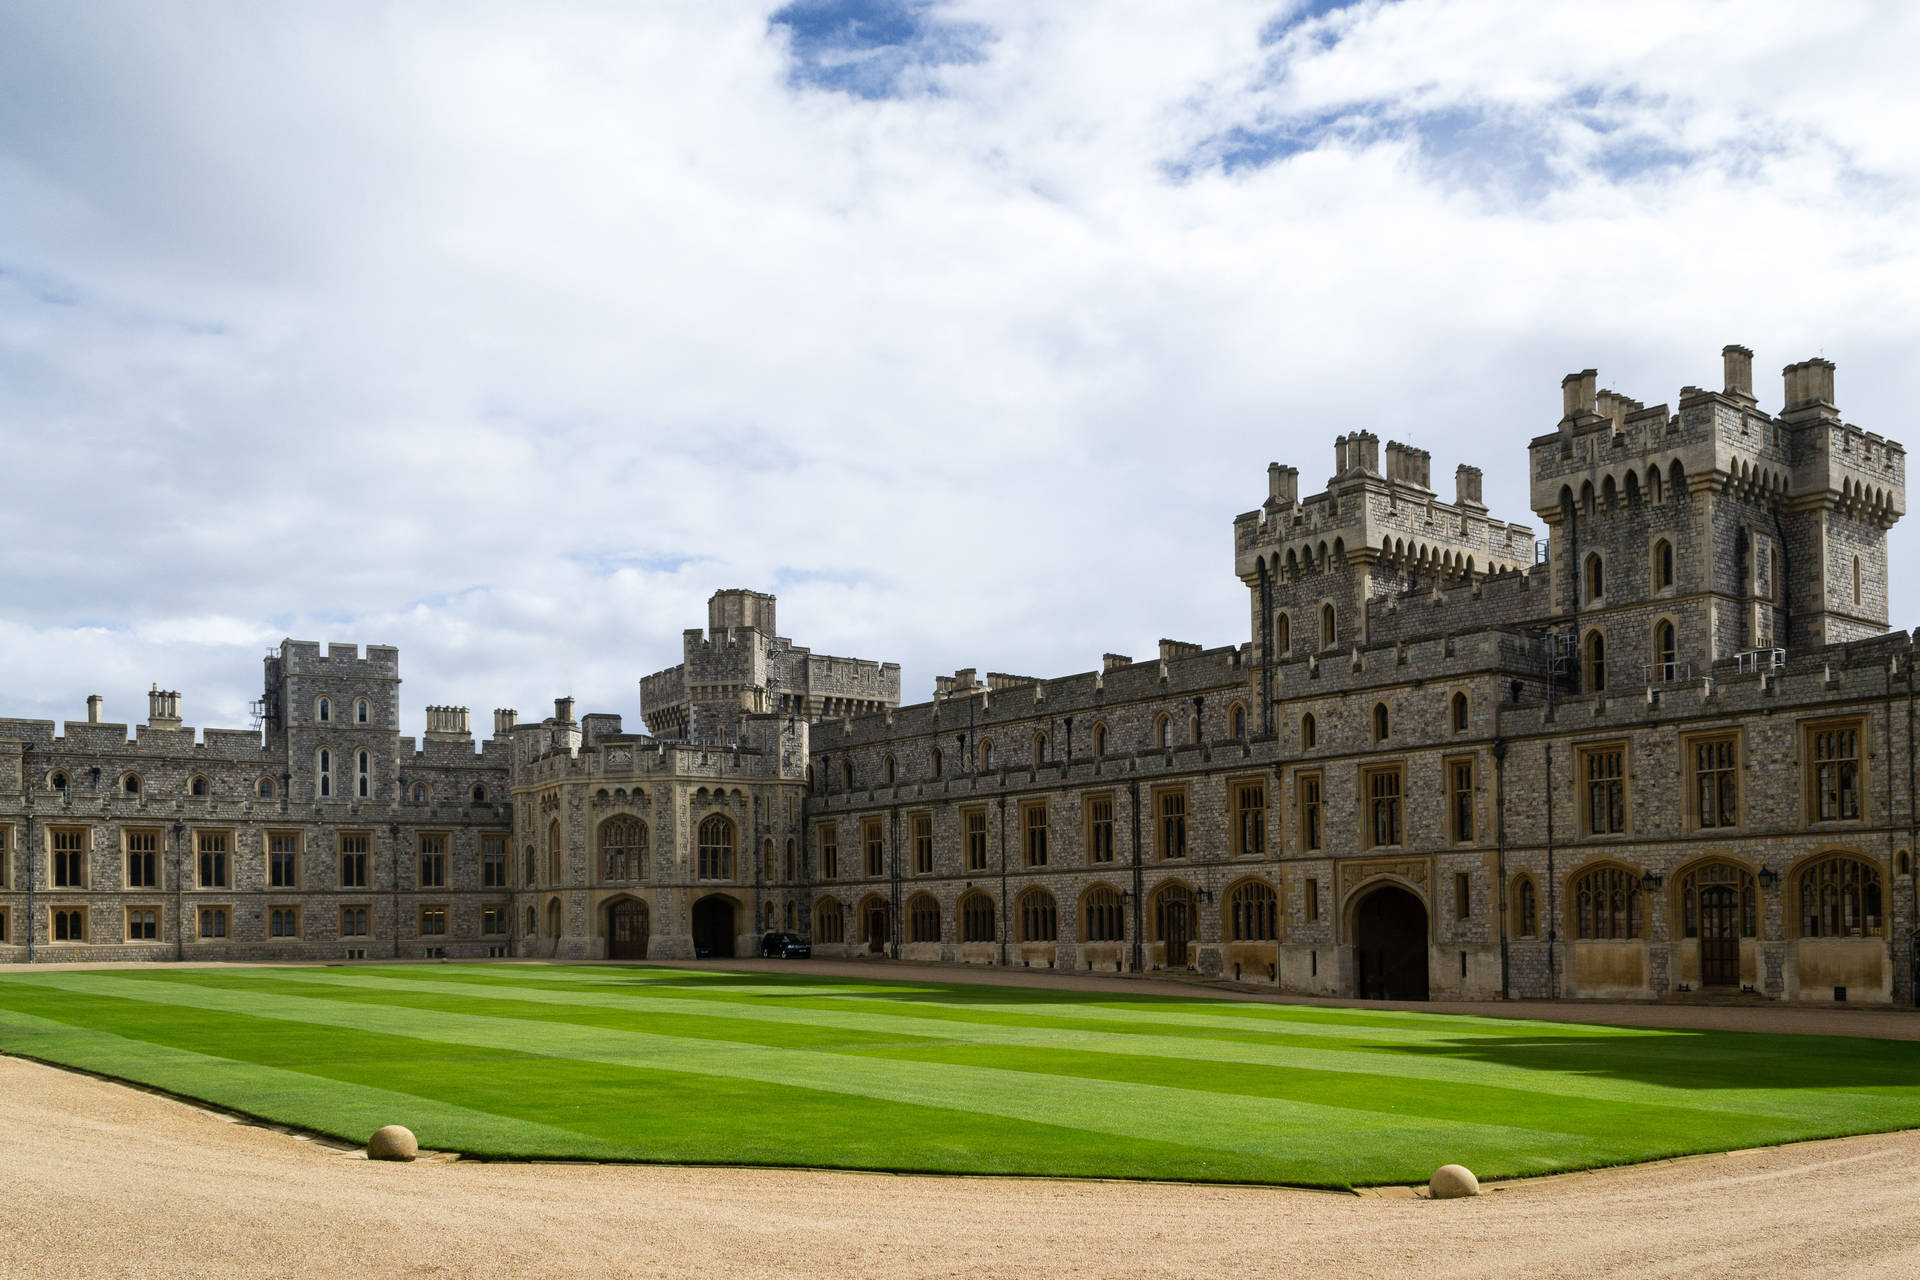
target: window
1328 636
363 775
1595 662
323 773
1249 818
923 919
1309 732
353 859
264 788
1033 823
874 841
198 786
323 711
362 711
792 862
1253 912
1856 579
353 922
976 918
1840 898
1099 739
213 922
533 866
1039 917
554 853
1380 724
58 781
1283 634
716 848
1662 565
213 847
283 859
829 922
1833 754
433 862
923 845
1039 748
1170 821
1716 781
69 924
976 821
6 848
1606 903
887 768
1100 828
1603 797
829 851
1460 801
1596 578
493 862
1462 895
493 921
934 761
1237 721
1382 789
1308 791
1457 714
143 859
433 922
479 794
131 784
143 924
1725 885
1526 908
283 922
1312 895
846 773
1102 915
419 793
623 849
986 753
1163 731
1193 730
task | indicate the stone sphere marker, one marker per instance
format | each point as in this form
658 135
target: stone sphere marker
397 1143
1451 1182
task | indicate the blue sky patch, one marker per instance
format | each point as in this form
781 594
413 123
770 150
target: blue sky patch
874 49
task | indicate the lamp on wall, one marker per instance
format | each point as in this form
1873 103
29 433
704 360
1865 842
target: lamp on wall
1652 880
1768 877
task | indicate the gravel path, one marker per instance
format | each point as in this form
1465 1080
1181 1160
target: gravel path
105 1180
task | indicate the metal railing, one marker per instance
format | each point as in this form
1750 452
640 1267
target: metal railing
1760 660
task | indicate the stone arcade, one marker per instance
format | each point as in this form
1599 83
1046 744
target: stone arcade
1667 749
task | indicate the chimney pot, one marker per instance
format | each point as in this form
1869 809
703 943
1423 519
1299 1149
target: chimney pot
93 708
1739 366
563 710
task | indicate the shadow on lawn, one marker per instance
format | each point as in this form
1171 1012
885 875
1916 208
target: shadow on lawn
895 991
1694 1059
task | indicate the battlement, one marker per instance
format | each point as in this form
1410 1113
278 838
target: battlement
304 658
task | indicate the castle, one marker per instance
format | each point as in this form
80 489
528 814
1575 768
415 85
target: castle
1668 748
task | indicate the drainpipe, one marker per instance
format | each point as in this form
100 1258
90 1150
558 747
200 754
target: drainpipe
1133 805
1913 826
1266 652
179 891
1500 858
1553 882
1003 881
393 873
893 908
27 828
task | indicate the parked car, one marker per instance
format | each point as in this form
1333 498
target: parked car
785 946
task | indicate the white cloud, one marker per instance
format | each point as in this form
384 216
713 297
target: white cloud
506 339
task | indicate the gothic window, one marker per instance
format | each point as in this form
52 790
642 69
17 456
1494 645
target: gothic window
553 853
131 784
1596 578
264 788
623 849
323 768
829 921
1526 908
1720 879
1099 738
1163 730
1716 781
887 767
1603 798
1100 828
846 773
1253 912
1309 732
1170 813
1237 722
1595 662
1327 633
922 824
1856 579
479 795
1283 634
923 918
1383 790
197 787
1665 653
1039 917
1606 904
1307 787
1249 819
58 781
362 711
934 761
1833 755
1040 748
363 775
1380 723
419 793
1460 800
1102 918
716 848
1033 819
1458 714
1662 565
976 917
1840 898
323 710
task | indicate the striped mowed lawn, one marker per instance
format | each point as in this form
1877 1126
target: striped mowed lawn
608 1063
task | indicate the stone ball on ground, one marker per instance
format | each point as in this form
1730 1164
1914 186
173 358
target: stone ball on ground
395 1142
1452 1181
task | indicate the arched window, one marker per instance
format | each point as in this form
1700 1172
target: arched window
1458 714
1664 651
264 788
976 917
1713 885
793 859
716 848
1596 578
479 794
1328 636
934 761
1193 730
323 710
1039 917
362 711
553 853
58 781
198 786
131 784
846 772
533 921
532 870
419 793
829 921
1380 724
1856 579
553 918
1526 908
1101 916
1606 903
1040 748
923 918
1840 898
1237 722
323 773
1309 732
1099 738
1595 662
363 775
1283 634
1163 730
766 859
1662 564
887 767
1253 912
623 849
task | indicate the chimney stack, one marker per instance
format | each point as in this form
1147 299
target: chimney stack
1466 487
1809 384
163 708
1739 366
503 719
1283 485
1578 393
563 710
1340 456
93 708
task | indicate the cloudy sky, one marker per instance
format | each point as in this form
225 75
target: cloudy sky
964 326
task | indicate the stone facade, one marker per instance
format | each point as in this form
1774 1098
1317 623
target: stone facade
1667 749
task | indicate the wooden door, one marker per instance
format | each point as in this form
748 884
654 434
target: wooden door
1719 937
876 928
627 930
1179 928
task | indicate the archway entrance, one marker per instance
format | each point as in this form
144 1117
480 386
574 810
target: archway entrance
1174 912
713 926
627 930
1719 937
875 925
1390 945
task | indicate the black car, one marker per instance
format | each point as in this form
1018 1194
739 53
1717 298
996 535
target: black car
785 946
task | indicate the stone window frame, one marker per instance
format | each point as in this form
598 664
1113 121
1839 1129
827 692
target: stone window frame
1369 812
1665 668
873 847
1583 753
1807 734
228 855
130 783
426 916
1611 877
1283 632
620 836
1310 899
1690 745
1523 896
432 848
1663 570
1035 833
923 918
263 787
1593 660
362 709
829 844
829 921
889 768
496 911
1836 857
1109 913
1329 626
1463 895
364 919
985 755
1038 912
299 843
712 854
69 918
323 773
1238 789
1310 809
1099 739
920 828
130 927
59 864
276 913
6 857
975 909
322 709
975 832
1237 721
1309 731
127 853
935 761
348 857
1172 831
1162 732
1250 911
494 852
1380 722
1459 712
1452 790
1039 747
199 785
1093 825
1593 579
213 921
363 774
6 921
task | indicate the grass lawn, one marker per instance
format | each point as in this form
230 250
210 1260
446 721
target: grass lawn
793 1069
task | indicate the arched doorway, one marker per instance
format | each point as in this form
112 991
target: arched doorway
1390 945
1174 919
713 926
627 930
874 921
